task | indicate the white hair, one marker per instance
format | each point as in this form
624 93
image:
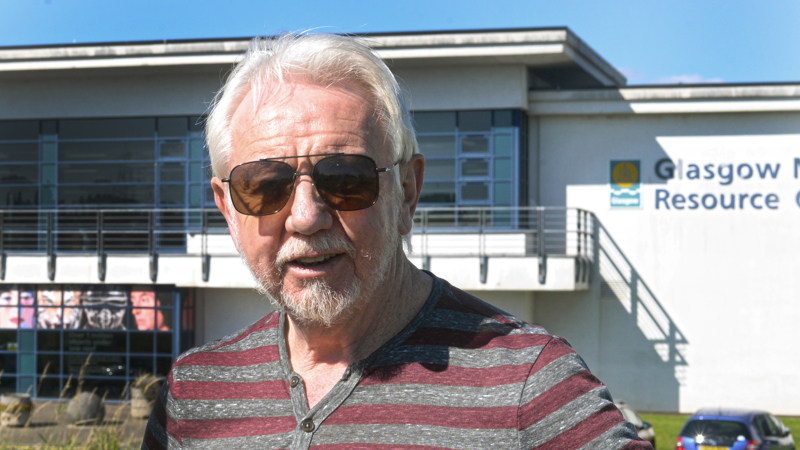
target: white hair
320 59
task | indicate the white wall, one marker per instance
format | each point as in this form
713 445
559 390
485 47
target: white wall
225 311
696 304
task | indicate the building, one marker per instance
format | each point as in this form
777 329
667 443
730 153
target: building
652 226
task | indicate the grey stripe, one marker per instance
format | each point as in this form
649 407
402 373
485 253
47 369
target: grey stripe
233 374
256 339
617 436
464 321
565 418
436 395
231 409
405 434
459 357
552 374
282 440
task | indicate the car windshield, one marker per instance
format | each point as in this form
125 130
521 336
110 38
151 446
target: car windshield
716 432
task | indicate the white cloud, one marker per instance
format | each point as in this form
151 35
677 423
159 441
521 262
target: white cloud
632 75
688 79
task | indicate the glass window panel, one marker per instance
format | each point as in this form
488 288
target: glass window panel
503 118
474 121
172 194
502 169
19 130
48 196
49 174
502 194
19 173
197 124
8 340
107 128
475 144
49 313
102 195
8 364
173 149
9 317
106 173
474 191
437 145
438 169
164 299
49 127
435 122
163 365
26 339
210 195
503 144
475 168
49 151
19 196
106 151
95 341
196 149
19 152
49 387
438 193
195 194
172 126
110 389
48 341
141 365
195 172
25 384
142 342
48 363
8 384
104 308
144 319
164 343
173 172
164 319
27 364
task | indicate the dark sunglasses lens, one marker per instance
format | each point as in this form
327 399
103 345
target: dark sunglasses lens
347 182
261 187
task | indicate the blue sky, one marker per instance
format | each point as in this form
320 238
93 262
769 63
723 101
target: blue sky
649 41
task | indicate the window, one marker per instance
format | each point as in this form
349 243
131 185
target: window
470 157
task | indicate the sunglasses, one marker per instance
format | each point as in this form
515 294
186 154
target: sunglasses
345 182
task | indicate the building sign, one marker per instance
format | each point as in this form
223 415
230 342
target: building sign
625 180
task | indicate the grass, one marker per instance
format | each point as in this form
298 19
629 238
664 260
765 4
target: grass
668 427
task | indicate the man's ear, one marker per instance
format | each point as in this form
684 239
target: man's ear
219 198
411 176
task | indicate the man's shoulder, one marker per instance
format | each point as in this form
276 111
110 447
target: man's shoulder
259 336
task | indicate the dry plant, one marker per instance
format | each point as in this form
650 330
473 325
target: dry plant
114 433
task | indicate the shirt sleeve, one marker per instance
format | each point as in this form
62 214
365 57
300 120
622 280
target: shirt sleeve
159 434
563 406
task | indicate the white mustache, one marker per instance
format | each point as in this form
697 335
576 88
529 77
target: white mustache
299 247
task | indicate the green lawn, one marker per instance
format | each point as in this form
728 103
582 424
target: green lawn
668 426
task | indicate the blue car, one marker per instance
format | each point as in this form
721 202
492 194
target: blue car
734 429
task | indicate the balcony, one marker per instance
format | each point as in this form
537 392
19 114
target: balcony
531 249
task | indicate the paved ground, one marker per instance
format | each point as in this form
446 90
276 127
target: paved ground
47 426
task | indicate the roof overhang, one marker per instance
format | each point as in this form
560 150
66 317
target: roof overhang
554 48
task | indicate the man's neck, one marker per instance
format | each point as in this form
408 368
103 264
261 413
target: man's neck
321 354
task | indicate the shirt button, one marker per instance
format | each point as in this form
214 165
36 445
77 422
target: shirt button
294 381
307 425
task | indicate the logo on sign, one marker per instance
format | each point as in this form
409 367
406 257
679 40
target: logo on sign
625 180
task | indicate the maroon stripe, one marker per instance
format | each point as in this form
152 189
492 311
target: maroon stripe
444 375
258 355
231 428
440 416
556 397
266 323
221 390
637 445
472 340
554 349
583 433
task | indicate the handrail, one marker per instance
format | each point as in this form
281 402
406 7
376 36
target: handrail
438 232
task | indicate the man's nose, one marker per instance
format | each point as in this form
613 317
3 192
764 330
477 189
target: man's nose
309 213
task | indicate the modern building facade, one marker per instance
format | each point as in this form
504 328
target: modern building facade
651 226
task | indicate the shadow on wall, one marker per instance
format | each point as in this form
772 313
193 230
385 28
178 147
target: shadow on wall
642 353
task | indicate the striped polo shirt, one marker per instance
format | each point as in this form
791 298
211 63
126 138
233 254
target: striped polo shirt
460 375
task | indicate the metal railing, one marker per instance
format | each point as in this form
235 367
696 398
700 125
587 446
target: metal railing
439 232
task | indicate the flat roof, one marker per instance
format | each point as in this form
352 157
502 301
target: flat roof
537 48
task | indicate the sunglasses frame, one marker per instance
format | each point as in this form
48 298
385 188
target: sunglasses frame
378 171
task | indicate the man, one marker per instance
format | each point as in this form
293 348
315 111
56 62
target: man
318 177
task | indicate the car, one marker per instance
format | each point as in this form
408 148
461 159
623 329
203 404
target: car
734 429
644 429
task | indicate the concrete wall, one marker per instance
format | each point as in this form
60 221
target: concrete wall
692 307
221 312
